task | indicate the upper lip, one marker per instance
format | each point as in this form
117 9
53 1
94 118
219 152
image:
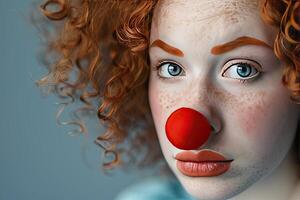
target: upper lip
202 156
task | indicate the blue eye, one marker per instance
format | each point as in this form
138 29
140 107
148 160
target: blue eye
169 69
242 70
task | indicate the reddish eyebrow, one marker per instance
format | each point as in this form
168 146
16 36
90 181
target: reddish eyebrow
168 48
241 41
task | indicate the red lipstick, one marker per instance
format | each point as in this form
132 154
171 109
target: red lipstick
202 164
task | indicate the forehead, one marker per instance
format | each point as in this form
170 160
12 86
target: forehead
208 22
231 10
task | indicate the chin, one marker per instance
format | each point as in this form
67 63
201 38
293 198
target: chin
217 188
209 189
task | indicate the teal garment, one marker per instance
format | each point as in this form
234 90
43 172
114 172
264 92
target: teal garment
155 189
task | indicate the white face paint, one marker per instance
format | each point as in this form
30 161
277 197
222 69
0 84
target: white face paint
255 120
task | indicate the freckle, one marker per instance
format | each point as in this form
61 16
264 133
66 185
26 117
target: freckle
254 112
225 99
167 101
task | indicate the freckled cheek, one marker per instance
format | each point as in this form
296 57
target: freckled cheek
251 119
158 106
162 101
156 109
257 124
162 104
250 131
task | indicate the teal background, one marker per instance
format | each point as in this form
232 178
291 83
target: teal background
38 160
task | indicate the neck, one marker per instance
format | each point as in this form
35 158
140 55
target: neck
279 185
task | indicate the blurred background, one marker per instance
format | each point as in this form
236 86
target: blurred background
38 159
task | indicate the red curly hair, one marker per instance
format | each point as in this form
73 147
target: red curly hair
106 42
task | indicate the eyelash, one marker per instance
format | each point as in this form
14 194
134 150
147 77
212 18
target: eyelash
245 80
160 63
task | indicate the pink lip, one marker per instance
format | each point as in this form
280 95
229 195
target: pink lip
203 164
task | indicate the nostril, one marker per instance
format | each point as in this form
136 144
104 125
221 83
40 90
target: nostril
216 126
213 130
187 129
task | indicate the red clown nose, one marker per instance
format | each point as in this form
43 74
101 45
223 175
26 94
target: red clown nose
187 129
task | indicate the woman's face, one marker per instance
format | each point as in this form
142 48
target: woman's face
238 90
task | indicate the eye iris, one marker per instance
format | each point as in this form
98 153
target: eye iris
243 70
174 70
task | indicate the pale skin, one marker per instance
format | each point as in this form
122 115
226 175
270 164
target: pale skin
254 122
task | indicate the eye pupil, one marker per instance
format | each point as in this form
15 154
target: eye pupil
174 70
243 70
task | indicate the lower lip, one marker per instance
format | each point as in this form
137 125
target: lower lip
203 169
